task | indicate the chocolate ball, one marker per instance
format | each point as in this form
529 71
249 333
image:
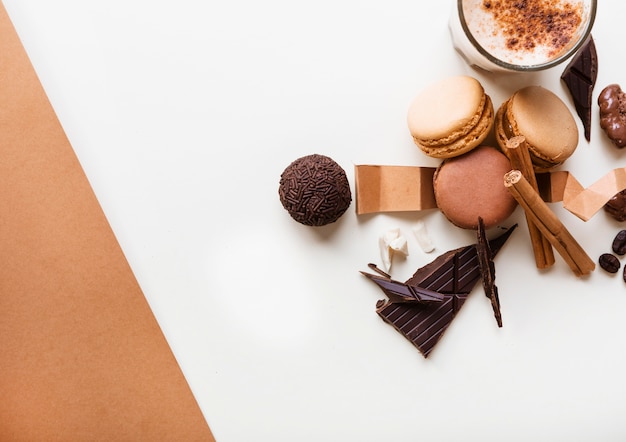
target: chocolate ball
314 190
616 206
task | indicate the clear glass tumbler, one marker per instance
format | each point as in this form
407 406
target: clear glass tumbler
520 35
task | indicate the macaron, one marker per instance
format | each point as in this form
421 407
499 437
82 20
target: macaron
472 185
544 120
450 117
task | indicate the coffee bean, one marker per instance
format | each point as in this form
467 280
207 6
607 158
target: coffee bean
619 243
609 262
624 274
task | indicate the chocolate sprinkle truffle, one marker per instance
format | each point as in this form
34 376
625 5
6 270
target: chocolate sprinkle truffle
314 190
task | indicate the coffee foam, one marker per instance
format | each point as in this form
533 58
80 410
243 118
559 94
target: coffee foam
493 24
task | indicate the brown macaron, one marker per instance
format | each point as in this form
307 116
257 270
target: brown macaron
544 120
450 117
472 185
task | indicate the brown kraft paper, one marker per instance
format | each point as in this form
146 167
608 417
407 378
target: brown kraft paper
393 188
410 188
82 356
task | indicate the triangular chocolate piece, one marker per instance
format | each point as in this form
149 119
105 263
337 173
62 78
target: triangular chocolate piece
580 78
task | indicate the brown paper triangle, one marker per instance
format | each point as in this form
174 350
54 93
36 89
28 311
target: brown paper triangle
82 357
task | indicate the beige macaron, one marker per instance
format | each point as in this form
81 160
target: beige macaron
450 117
544 120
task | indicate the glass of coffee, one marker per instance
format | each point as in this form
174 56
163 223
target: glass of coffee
520 35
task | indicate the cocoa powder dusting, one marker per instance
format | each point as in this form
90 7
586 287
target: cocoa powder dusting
527 24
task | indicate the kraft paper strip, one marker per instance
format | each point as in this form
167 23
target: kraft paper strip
393 188
410 188
82 357
584 203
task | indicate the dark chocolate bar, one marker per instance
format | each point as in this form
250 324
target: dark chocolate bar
452 274
422 324
580 78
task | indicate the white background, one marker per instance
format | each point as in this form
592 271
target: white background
185 113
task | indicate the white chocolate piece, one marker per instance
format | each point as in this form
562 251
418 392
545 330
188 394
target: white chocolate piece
423 238
390 242
385 254
399 245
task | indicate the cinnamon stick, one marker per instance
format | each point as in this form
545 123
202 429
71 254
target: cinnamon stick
548 223
517 151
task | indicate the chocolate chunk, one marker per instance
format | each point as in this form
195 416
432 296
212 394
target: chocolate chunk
488 270
314 190
452 274
616 206
612 101
609 262
580 78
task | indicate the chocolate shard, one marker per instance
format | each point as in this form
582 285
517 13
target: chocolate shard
488 270
580 78
452 274
399 292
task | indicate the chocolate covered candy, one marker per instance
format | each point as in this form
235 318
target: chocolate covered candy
612 102
616 206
